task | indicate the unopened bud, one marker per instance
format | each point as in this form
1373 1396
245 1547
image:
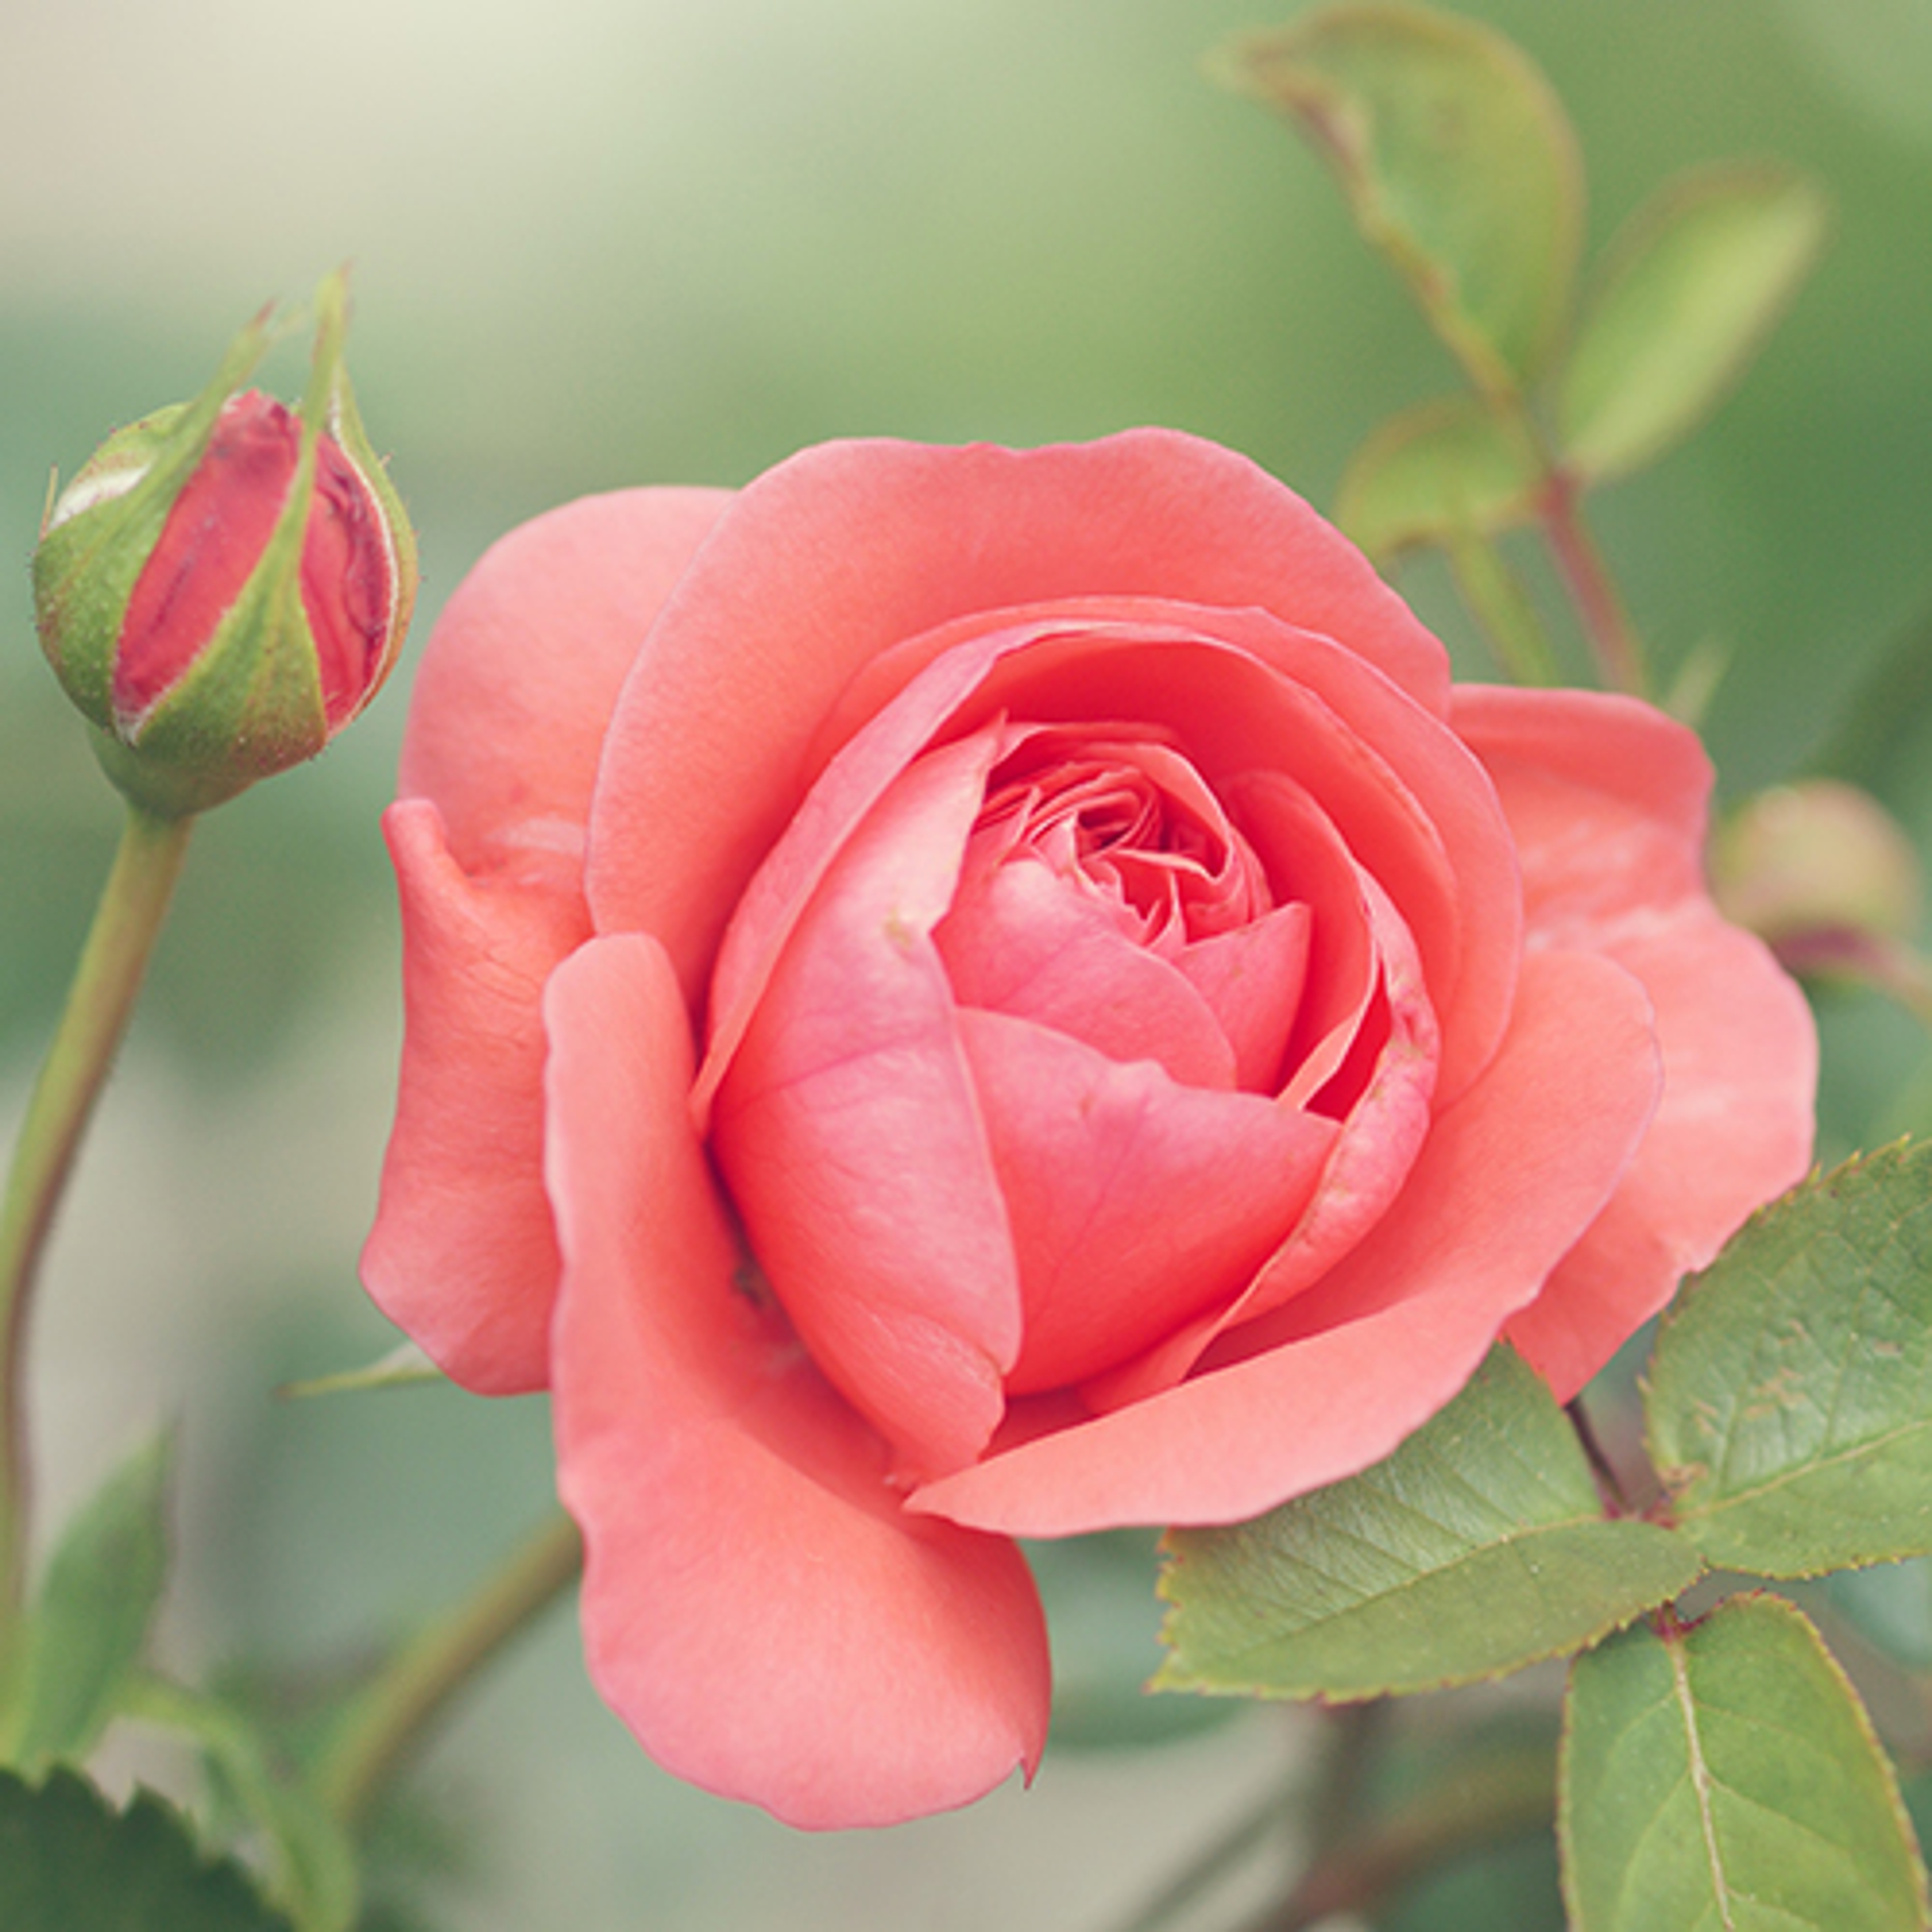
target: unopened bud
1821 871
227 583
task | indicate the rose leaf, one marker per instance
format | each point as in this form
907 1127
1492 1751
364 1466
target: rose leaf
1690 290
67 1861
1726 1775
89 1620
311 1862
1441 471
1479 1546
1788 1406
1457 160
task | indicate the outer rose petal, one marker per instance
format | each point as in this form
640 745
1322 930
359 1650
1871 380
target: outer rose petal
514 693
462 1255
1527 1157
835 555
506 723
1606 798
756 1607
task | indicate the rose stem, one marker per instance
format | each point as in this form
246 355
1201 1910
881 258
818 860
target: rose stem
1353 1733
400 1703
1613 638
1251 1830
1609 1486
133 903
1508 1800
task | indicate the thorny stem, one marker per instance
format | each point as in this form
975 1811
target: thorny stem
404 1698
133 903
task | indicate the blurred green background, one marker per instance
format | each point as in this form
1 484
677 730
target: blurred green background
606 242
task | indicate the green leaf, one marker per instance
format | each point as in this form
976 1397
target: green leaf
1790 1403
1441 471
68 1863
1457 160
1690 290
1478 1547
314 1862
90 1620
1726 1776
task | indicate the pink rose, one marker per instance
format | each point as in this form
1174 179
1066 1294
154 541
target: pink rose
961 994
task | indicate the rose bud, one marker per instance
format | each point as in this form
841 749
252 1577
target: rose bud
1818 852
226 583
1822 872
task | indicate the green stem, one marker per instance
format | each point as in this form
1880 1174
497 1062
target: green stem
406 1697
1266 1819
1613 638
133 903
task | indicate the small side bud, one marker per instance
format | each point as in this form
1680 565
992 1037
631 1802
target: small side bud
1822 873
227 583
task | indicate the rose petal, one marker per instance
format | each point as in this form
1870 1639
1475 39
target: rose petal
1367 1166
756 1607
515 692
1508 1175
462 1254
1020 940
509 710
1428 827
1606 798
1251 977
1135 1201
847 1131
828 560
1414 807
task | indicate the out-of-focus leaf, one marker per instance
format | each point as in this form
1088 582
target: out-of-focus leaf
1727 1775
1479 1546
1436 473
404 1366
314 1864
1890 1605
1690 291
90 1618
1457 159
68 1863
1790 1403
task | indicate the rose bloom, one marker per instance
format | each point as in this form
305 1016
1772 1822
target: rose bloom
962 994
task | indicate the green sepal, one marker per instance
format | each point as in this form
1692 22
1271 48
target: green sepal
89 1620
406 1366
1726 1774
89 558
1789 1399
1479 1546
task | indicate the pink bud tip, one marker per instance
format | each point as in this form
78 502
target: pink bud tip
214 538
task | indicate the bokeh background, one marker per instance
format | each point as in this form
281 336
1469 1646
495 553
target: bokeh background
600 242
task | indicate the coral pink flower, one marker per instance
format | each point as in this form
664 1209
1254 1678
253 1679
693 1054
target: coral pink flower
960 994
